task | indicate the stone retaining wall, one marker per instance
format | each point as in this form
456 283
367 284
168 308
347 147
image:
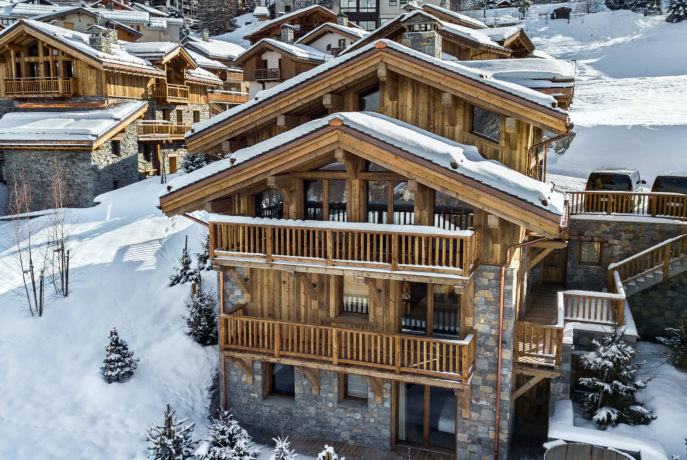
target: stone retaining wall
659 306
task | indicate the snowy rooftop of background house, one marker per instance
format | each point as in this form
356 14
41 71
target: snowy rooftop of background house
205 62
247 25
149 50
285 18
358 32
204 75
215 49
31 10
514 89
80 42
413 140
499 34
137 17
75 126
149 9
525 68
261 11
466 32
297 51
458 16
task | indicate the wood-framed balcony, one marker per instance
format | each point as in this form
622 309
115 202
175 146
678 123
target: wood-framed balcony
156 130
267 74
167 92
228 97
397 356
234 74
407 252
649 204
40 87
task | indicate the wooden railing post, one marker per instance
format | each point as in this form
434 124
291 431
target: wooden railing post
270 241
620 311
335 347
666 262
397 354
394 251
465 363
330 247
277 339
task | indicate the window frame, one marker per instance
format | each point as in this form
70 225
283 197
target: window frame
268 384
343 390
351 314
116 147
480 135
598 262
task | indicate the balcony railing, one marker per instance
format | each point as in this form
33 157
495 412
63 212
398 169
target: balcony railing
39 87
669 205
345 244
267 74
161 129
228 97
397 353
235 74
171 93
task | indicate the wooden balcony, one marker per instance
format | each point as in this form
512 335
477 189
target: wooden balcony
228 97
234 74
358 249
667 205
167 92
151 130
267 74
398 354
40 87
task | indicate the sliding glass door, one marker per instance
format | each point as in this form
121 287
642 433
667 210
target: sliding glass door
426 416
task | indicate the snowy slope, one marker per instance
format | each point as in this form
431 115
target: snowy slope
53 402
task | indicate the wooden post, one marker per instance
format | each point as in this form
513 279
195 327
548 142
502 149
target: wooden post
270 242
666 262
394 251
335 347
277 339
465 363
330 247
397 353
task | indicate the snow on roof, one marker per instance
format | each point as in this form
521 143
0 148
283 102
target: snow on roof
514 89
150 50
499 34
298 51
138 17
286 17
525 68
202 74
466 32
260 11
75 126
215 49
440 151
205 62
30 10
149 9
236 36
358 32
80 42
458 16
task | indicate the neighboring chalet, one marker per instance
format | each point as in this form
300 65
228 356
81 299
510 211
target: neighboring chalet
270 62
303 21
369 250
45 68
333 38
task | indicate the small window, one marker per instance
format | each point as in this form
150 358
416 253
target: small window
590 253
352 387
116 148
180 116
342 42
147 153
165 114
196 116
280 380
354 297
486 124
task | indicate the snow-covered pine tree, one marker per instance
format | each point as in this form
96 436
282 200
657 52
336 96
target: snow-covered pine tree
172 440
202 316
191 162
203 257
677 11
228 441
119 363
184 272
613 384
676 340
282 449
653 7
328 454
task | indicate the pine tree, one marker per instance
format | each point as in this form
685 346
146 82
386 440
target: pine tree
328 454
203 257
228 441
614 383
191 162
172 440
184 273
676 340
119 363
653 8
677 11
202 316
282 449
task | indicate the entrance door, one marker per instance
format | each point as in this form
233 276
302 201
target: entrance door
426 416
554 266
172 165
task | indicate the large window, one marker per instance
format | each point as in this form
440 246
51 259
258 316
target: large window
279 380
590 253
380 194
354 297
331 192
426 416
269 204
430 309
450 213
486 124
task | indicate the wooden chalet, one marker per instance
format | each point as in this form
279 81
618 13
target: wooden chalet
333 38
81 18
303 21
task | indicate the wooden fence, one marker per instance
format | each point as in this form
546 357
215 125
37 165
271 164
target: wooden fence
267 74
348 246
669 205
659 257
227 97
170 92
161 129
398 353
538 344
39 86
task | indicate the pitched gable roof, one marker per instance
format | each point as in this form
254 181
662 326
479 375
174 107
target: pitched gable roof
263 26
161 52
214 49
399 58
300 52
417 154
354 33
453 17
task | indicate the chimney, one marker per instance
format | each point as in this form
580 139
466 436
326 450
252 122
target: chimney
287 33
342 19
422 34
101 38
206 35
336 6
445 4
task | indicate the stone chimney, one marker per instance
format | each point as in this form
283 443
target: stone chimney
422 34
101 38
287 33
206 35
342 19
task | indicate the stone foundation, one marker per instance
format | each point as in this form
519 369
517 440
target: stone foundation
659 306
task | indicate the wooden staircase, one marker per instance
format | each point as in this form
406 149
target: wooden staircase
652 266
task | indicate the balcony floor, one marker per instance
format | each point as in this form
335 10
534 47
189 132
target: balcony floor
542 304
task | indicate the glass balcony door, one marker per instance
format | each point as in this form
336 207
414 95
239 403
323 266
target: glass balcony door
426 416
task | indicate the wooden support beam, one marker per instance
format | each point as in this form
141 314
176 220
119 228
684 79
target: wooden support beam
555 244
333 102
463 401
545 372
448 102
246 366
352 168
288 121
233 146
391 86
530 383
373 292
538 257
313 376
309 287
424 204
285 185
241 281
377 386
382 71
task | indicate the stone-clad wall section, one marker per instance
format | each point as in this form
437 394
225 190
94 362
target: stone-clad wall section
659 306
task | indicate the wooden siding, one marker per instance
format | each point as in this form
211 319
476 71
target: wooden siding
128 85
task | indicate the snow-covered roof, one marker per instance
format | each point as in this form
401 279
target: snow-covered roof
471 34
215 49
80 42
29 10
149 9
411 139
522 92
457 16
499 34
261 11
355 31
530 72
298 51
203 76
150 50
64 127
286 18
205 62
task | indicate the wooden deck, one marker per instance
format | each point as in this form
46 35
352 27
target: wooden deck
542 304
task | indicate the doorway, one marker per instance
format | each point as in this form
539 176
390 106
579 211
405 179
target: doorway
426 416
172 165
554 267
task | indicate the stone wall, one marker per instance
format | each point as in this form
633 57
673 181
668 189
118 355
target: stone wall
659 306
116 171
309 415
620 237
476 434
